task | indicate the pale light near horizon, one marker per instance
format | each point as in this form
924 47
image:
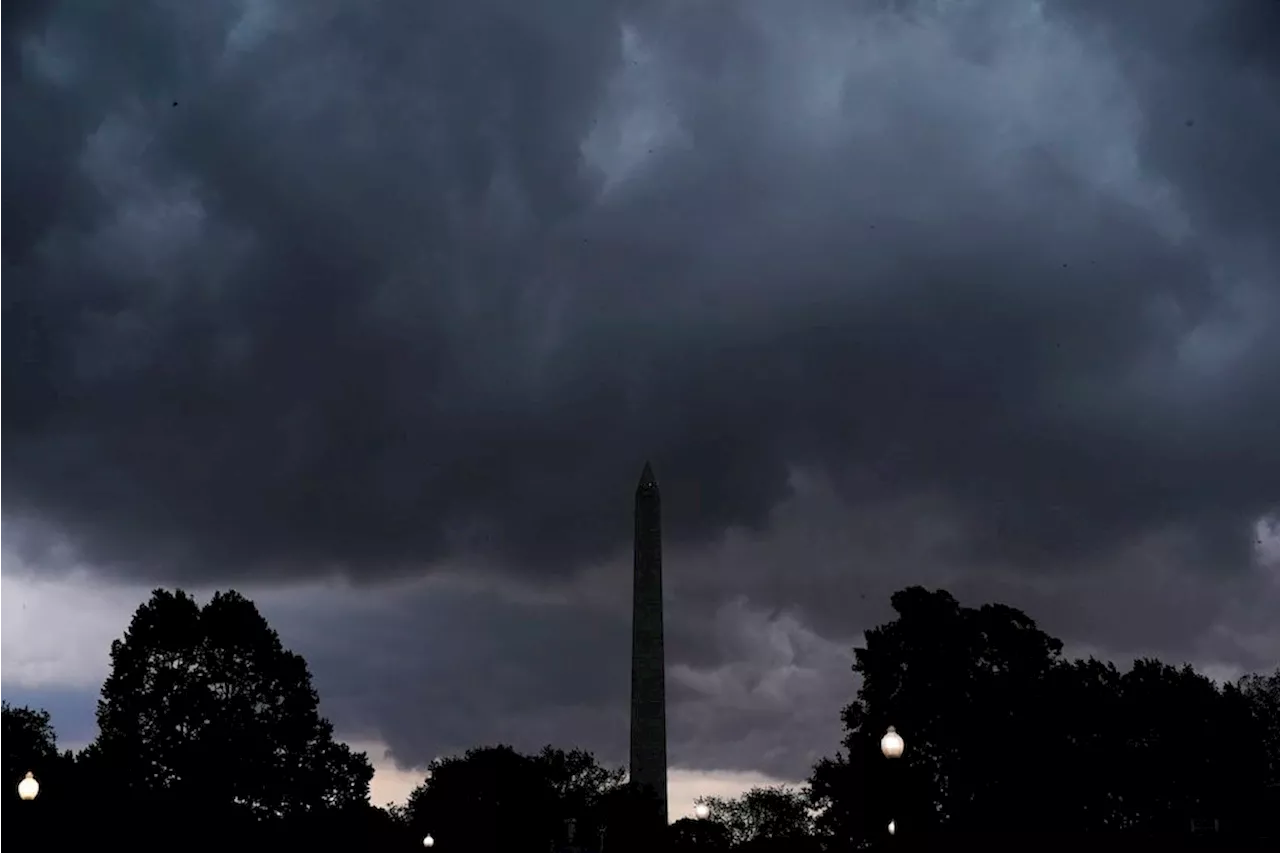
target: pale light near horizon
392 784
428 842
28 788
701 812
891 744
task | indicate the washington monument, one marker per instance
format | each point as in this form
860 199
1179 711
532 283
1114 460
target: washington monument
648 662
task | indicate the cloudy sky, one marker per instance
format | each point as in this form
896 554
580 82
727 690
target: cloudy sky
374 310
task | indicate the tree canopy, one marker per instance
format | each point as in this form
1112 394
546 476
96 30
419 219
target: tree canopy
1004 732
204 704
205 718
1262 693
495 798
775 812
30 743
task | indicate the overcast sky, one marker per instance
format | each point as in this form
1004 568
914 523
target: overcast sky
374 311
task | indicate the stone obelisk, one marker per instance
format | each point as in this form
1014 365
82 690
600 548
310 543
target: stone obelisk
648 661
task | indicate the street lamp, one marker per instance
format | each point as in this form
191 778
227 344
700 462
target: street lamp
701 812
28 787
428 842
891 744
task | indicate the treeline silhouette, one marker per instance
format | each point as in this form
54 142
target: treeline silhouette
210 735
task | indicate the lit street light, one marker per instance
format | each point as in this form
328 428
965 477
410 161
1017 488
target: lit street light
428 842
701 812
28 787
891 744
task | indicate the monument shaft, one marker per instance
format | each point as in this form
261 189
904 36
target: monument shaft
648 662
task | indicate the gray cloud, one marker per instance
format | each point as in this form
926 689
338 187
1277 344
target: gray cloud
438 668
760 628
390 285
980 294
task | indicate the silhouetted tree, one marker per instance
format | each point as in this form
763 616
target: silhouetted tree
581 785
30 745
952 679
354 827
491 798
203 708
1262 692
1004 734
1179 756
628 818
764 812
688 835
840 793
1084 706
495 798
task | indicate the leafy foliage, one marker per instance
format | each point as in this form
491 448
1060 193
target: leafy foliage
206 719
764 812
30 743
1262 693
495 797
1002 731
704 836
204 704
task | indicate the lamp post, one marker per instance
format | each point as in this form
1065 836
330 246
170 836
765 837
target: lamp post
28 788
891 744
892 747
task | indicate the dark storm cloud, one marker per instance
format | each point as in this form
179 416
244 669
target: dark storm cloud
759 631
436 669
361 286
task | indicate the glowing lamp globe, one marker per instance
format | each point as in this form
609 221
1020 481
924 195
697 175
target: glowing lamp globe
891 744
701 812
28 787
428 842
893 827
